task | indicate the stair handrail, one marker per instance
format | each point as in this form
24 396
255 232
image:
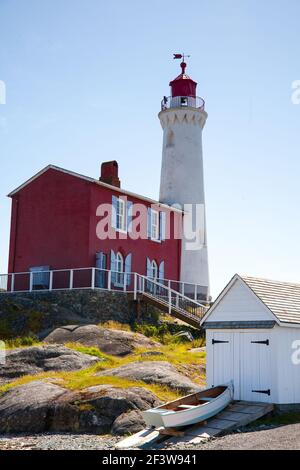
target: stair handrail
169 291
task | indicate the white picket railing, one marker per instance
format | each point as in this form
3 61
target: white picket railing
161 290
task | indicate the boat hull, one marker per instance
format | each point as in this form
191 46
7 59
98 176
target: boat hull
160 417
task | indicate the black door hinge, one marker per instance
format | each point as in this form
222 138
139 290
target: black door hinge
266 342
266 392
214 341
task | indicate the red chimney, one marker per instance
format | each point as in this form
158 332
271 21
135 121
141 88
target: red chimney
109 173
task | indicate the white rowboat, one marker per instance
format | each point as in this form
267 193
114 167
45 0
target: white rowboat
190 409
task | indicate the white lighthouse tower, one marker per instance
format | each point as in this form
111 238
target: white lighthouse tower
182 118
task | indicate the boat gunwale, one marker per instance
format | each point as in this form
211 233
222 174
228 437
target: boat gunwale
170 411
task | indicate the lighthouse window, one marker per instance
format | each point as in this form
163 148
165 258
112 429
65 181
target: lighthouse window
154 225
121 215
170 138
184 101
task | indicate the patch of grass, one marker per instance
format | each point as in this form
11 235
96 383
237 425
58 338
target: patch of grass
191 364
82 379
165 334
197 343
22 341
90 350
114 325
278 419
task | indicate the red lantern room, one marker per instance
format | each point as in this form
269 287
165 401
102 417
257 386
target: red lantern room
183 85
183 91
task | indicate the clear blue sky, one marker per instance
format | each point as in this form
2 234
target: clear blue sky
84 82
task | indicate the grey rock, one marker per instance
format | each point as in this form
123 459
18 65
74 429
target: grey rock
40 406
109 341
26 408
35 359
128 423
155 372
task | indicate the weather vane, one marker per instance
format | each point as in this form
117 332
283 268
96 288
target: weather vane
180 56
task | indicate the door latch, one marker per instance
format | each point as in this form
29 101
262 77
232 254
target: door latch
266 392
215 341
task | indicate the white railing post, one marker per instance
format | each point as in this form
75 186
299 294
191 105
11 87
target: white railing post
30 281
93 277
51 280
177 300
195 296
12 286
71 279
125 281
135 286
170 301
182 288
109 280
169 284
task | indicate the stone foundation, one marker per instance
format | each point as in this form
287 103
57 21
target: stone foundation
41 312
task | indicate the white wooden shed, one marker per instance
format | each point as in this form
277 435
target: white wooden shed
253 338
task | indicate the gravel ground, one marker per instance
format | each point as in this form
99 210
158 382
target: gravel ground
283 438
57 442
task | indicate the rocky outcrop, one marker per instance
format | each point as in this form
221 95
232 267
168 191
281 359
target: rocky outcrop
109 341
154 372
35 359
41 406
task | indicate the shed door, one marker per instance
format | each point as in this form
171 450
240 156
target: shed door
222 353
255 367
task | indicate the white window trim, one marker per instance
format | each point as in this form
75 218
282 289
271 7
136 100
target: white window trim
123 202
117 273
154 267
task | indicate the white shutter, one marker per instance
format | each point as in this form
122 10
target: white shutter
128 261
114 212
161 270
149 270
162 226
149 222
113 265
129 216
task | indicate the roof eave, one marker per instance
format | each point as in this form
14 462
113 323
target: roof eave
94 181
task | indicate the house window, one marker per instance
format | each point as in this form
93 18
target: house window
119 269
154 225
40 277
154 270
121 215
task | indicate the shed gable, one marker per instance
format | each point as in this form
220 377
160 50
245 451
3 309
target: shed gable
239 304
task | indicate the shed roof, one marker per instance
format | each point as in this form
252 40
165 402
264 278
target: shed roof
281 298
